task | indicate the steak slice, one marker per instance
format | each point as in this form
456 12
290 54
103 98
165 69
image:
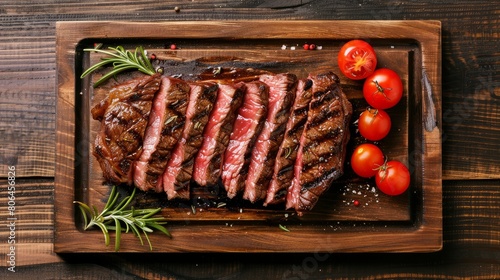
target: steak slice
179 170
281 97
287 153
124 116
247 127
208 162
320 159
164 129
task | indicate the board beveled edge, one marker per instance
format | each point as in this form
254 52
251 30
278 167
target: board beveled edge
68 239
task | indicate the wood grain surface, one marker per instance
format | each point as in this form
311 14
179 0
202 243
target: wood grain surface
409 47
471 166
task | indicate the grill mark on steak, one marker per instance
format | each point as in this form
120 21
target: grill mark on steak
179 170
322 149
208 162
283 167
164 130
124 115
281 97
247 127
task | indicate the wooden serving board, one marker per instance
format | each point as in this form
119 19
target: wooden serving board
411 222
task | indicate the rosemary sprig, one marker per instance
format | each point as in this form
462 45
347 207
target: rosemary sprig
121 60
115 217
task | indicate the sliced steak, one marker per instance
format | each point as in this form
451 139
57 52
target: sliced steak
124 115
179 170
165 125
247 127
208 162
287 153
281 97
320 158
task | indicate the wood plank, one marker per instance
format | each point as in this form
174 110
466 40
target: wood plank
28 33
470 66
421 224
470 246
31 224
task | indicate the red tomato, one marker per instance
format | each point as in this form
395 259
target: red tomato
357 59
383 89
374 124
366 160
393 178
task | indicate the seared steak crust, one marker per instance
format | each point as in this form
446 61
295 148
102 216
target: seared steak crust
321 155
177 175
287 153
275 139
281 97
124 115
247 127
208 162
165 125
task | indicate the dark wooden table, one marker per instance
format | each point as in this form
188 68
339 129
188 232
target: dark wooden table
470 159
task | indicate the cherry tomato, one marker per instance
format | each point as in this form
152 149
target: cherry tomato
374 124
383 89
357 59
366 160
393 178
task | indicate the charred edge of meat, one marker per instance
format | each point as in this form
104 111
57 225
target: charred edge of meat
308 84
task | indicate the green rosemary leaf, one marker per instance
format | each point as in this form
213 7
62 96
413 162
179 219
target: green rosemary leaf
105 232
145 58
96 213
151 213
136 233
127 200
121 220
121 60
149 241
283 228
118 234
113 196
162 229
84 213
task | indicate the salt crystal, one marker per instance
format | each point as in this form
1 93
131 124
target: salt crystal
283 47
